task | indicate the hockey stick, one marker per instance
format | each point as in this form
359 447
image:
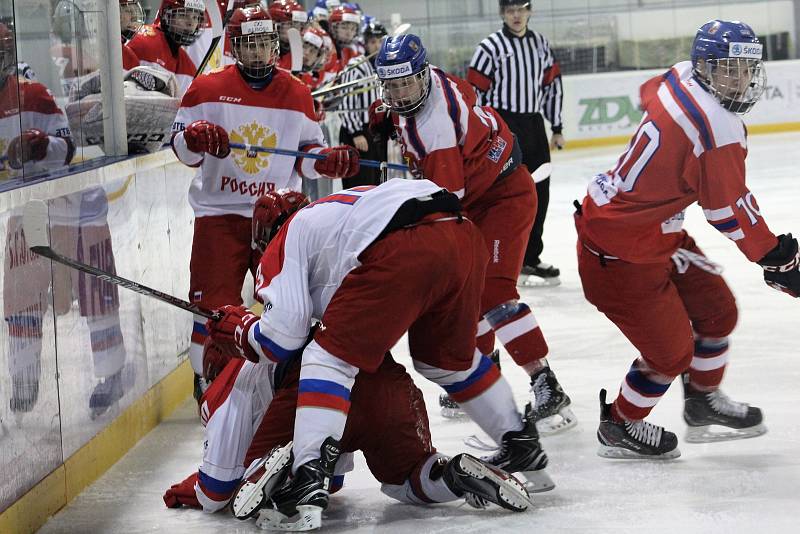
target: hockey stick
335 88
298 154
35 223
217 30
296 49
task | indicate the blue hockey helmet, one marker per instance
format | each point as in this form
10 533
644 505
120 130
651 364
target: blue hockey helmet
727 61
404 74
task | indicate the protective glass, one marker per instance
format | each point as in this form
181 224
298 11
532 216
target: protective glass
736 83
406 95
256 54
183 25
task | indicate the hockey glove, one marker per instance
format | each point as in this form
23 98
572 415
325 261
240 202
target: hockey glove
183 494
782 266
233 329
203 136
216 356
30 146
380 125
340 162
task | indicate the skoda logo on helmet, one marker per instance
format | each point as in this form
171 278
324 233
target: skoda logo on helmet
736 49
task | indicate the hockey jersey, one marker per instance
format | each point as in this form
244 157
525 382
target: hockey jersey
153 50
305 263
687 149
453 141
279 116
25 104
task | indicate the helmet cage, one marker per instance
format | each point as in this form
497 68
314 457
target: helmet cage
736 83
174 19
135 18
256 53
406 95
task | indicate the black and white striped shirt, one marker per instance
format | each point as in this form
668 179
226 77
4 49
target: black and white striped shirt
518 74
355 117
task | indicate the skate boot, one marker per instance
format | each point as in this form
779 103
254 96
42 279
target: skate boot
480 483
298 504
260 481
450 408
105 394
552 411
520 452
541 275
702 410
633 440
23 396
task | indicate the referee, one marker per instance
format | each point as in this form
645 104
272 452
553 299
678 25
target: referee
514 71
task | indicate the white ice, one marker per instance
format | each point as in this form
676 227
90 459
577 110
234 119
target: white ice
732 487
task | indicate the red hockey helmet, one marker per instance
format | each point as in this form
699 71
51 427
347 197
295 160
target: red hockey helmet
271 211
8 56
131 17
315 50
345 23
254 41
182 20
287 14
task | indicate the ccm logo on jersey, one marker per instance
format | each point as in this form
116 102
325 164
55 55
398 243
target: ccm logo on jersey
232 99
243 187
746 50
395 71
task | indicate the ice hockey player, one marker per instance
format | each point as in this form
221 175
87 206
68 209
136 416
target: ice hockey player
253 103
648 276
162 45
345 25
287 14
449 139
131 20
406 238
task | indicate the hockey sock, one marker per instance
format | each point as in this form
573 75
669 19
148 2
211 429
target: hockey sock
425 484
485 339
108 349
515 326
640 392
199 335
708 363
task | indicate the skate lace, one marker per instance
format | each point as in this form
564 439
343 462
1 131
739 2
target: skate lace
541 391
644 432
721 403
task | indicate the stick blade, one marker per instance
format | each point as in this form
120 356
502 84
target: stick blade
296 48
35 220
400 30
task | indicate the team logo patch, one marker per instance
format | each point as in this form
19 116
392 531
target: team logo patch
497 148
254 134
746 50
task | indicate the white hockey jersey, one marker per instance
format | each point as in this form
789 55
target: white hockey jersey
279 116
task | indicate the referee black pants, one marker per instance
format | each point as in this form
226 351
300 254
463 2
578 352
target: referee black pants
530 131
376 151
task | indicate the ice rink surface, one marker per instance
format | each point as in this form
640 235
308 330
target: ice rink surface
733 487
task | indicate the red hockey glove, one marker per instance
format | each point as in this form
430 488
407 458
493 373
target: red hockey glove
319 110
341 162
216 356
233 329
380 125
183 494
203 136
782 266
30 146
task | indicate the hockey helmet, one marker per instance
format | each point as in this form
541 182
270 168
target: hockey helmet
131 18
69 20
345 23
182 20
287 14
254 41
404 74
315 53
727 62
271 211
373 30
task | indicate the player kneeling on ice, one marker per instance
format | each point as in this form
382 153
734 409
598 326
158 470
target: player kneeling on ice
640 268
254 103
381 412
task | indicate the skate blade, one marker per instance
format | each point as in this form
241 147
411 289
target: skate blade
704 434
558 422
253 495
619 453
531 280
511 493
536 481
453 413
307 518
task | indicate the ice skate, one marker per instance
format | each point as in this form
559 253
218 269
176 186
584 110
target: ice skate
105 394
552 407
542 275
703 411
450 408
480 482
260 480
520 452
633 440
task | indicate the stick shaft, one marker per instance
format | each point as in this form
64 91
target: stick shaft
298 154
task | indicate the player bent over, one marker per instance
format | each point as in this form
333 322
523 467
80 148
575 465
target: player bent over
387 418
253 103
647 275
449 139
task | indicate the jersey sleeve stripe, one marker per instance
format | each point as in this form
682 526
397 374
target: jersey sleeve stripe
690 107
413 137
211 486
269 348
452 104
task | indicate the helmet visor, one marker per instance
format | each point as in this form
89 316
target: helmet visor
406 95
737 83
256 54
